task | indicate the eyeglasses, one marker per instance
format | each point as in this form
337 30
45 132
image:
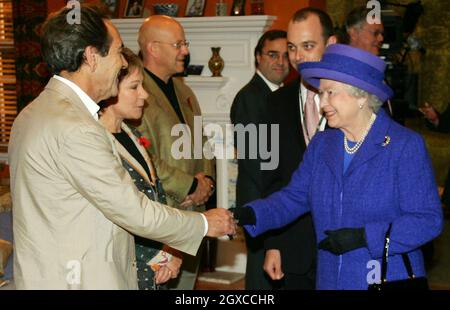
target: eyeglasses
375 33
276 55
177 45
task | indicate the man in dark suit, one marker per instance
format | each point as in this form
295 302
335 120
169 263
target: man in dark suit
291 251
249 109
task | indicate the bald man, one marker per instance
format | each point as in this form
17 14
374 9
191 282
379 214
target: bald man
188 182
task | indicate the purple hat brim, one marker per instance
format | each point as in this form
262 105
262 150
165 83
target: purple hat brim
312 72
351 66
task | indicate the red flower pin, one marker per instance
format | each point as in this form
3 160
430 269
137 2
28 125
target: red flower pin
144 142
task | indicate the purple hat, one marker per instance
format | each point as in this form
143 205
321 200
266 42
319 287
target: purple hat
348 65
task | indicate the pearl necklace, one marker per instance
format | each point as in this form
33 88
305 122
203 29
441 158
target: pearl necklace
355 148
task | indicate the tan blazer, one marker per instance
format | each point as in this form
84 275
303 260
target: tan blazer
157 122
74 204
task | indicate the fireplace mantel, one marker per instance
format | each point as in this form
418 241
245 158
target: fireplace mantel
237 36
213 24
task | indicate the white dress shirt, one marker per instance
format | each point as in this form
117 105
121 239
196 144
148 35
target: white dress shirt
90 104
273 87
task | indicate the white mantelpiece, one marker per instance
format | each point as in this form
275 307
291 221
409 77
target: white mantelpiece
237 36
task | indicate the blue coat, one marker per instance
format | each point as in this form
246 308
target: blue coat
385 183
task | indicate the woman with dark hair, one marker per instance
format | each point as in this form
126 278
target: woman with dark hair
155 265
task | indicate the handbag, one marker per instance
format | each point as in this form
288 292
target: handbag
411 283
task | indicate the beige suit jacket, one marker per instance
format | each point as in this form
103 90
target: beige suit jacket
74 205
157 122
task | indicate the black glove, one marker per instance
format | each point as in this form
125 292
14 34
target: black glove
343 240
244 215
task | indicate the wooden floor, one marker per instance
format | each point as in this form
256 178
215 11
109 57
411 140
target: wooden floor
202 285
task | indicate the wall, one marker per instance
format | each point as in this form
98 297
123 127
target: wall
283 9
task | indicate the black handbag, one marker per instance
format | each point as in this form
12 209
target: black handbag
412 283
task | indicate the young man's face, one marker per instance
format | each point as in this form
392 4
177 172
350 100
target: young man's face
305 41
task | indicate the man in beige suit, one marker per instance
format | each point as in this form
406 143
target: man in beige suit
188 182
74 205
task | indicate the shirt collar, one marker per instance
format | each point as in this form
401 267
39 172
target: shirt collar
90 104
304 90
273 87
158 81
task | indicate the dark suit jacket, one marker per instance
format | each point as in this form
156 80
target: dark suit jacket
250 107
296 241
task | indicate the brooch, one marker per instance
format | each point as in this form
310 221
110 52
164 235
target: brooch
387 140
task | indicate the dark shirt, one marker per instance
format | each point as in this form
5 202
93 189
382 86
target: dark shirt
129 145
169 91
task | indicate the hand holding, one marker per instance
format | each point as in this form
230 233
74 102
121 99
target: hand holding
220 222
204 190
343 240
169 270
162 275
174 266
272 264
187 202
430 113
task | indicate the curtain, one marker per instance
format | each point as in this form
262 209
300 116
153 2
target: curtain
31 72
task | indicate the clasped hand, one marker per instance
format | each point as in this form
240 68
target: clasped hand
220 222
205 189
342 240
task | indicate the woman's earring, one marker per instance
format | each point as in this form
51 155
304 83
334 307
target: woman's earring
361 105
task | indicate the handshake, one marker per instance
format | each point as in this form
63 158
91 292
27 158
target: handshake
224 222
243 216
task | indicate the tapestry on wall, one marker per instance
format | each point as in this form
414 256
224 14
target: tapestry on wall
31 72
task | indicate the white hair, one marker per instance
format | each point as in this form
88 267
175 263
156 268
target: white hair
373 101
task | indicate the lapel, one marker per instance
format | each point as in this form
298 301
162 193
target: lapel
373 143
185 101
157 96
125 155
260 84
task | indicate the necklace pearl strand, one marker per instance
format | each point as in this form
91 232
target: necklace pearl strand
355 148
